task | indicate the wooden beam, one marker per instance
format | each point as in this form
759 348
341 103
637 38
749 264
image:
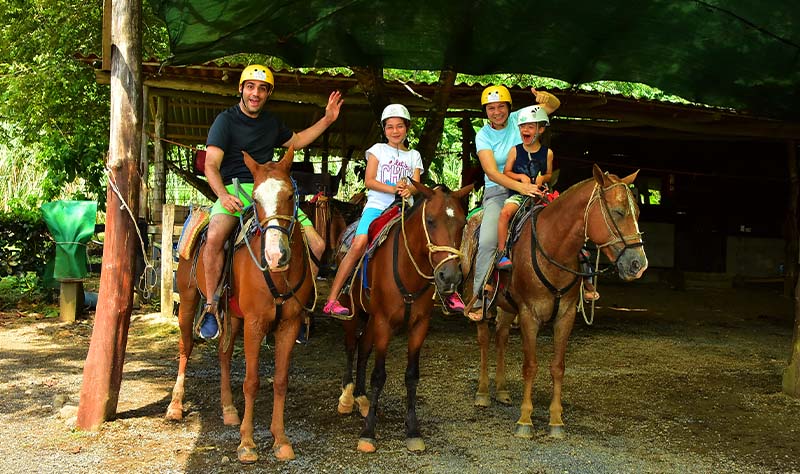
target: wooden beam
159 152
106 36
102 372
167 220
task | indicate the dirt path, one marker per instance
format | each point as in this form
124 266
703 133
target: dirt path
690 383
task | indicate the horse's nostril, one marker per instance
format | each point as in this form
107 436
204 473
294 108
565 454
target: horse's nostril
635 265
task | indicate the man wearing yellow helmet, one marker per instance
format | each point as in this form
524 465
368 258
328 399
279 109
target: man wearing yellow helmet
250 127
493 143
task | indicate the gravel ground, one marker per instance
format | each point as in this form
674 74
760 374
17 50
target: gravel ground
664 381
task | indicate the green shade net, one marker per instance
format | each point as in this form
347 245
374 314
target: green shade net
738 53
71 224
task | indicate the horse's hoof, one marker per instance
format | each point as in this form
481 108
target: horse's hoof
230 416
246 455
367 445
344 409
482 400
363 405
283 452
174 414
415 444
524 431
557 432
503 397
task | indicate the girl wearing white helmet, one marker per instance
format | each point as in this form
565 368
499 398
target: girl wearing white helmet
493 143
387 164
528 162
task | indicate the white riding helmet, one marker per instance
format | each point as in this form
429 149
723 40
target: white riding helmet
395 110
532 114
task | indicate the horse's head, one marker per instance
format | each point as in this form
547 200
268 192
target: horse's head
443 221
274 195
612 223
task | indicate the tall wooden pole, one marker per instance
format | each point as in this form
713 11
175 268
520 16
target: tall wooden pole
791 375
102 372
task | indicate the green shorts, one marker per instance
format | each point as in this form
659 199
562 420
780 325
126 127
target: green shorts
245 197
516 199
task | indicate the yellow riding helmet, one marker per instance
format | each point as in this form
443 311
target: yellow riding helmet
495 94
257 72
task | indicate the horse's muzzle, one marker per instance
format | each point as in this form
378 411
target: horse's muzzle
448 277
277 250
632 264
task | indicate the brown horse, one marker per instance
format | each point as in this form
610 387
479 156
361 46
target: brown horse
421 252
542 285
270 295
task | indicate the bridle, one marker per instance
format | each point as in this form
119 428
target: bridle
408 296
598 193
261 263
628 241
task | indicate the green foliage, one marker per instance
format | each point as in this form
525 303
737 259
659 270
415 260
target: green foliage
23 288
25 243
53 113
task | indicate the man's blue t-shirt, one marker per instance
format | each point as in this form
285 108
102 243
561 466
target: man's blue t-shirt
233 131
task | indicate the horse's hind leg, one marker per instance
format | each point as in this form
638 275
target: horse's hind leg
186 311
229 414
529 328
504 320
482 398
561 331
416 337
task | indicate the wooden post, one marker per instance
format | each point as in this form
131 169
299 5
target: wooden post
102 372
791 374
167 221
434 123
791 225
106 38
144 161
159 165
70 299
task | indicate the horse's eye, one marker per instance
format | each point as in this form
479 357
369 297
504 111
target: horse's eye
618 213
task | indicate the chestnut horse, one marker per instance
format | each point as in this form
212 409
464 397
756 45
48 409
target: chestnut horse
270 295
543 283
421 252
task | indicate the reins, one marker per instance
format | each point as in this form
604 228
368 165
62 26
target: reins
598 193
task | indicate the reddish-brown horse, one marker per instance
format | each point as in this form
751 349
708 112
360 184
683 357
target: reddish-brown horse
271 294
422 255
543 284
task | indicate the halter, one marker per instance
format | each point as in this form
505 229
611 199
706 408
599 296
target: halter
598 194
454 252
262 265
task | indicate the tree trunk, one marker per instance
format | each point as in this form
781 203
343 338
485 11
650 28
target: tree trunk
791 374
102 373
370 79
434 123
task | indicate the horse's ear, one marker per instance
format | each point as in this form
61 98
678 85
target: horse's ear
424 190
288 157
463 191
630 178
252 164
598 175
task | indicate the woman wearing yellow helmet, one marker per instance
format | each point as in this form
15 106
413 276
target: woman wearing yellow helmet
493 143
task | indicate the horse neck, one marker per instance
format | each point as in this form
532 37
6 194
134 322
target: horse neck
561 226
415 239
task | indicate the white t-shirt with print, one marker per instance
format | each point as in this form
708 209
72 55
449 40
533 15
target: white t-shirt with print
393 164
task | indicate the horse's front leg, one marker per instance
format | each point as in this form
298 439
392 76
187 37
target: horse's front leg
561 331
482 398
253 336
186 311
346 399
504 320
416 338
380 338
229 414
529 328
284 343
364 351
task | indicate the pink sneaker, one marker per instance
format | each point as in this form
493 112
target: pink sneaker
335 309
454 303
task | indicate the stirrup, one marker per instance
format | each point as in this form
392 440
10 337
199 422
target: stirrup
209 324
